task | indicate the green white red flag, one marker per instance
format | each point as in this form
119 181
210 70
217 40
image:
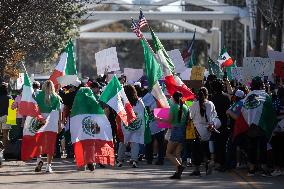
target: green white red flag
115 97
90 129
225 59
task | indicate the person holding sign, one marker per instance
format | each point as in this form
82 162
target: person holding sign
177 118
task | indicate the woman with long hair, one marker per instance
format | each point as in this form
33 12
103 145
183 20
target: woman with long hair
205 120
134 132
48 101
178 117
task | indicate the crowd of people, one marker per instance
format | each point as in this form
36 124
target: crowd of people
200 134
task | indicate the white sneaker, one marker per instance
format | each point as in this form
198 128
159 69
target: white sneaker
48 169
276 173
134 164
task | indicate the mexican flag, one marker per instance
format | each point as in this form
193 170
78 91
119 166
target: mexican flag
36 136
90 129
225 59
65 73
214 69
172 81
257 110
28 106
154 74
115 97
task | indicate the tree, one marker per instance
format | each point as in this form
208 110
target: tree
36 28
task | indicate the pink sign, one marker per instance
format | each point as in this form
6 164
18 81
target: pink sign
164 114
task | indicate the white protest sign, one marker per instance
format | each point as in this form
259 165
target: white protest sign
256 66
238 74
107 59
186 74
20 81
133 74
177 59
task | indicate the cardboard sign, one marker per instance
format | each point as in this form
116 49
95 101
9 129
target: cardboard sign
12 114
133 74
107 59
256 66
197 73
177 59
278 57
237 74
162 113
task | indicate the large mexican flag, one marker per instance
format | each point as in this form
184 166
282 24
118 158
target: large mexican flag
258 111
91 132
37 138
116 98
225 59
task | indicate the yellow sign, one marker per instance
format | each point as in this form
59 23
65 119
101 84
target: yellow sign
12 114
197 73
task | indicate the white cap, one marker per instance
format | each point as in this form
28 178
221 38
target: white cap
240 94
138 84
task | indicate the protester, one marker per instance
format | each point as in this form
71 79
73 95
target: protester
204 116
4 105
178 117
48 101
133 133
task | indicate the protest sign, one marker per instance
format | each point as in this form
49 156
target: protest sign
185 75
164 114
133 74
177 59
197 73
237 74
278 57
256 66
107 59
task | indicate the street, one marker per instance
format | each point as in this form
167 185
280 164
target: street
15 174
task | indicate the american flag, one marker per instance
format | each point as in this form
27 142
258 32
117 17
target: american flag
142 20
136 29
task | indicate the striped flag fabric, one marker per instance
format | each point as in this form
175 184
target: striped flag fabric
188 53
172 81
142 20
90 129
28 106
116 98
154 74
136 29
39 138
257 110
225 59
65 73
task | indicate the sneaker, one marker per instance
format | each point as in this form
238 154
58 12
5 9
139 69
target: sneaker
48 169
251 173
276 173
39 166
195 173
175 176
91 166
119 164
140 158
134 164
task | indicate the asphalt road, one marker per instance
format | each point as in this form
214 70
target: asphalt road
21 175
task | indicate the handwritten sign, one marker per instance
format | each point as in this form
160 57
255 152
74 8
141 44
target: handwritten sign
133 74
107 59
237 74
177 59
256 66
164 114
197 73
185 75
278 57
